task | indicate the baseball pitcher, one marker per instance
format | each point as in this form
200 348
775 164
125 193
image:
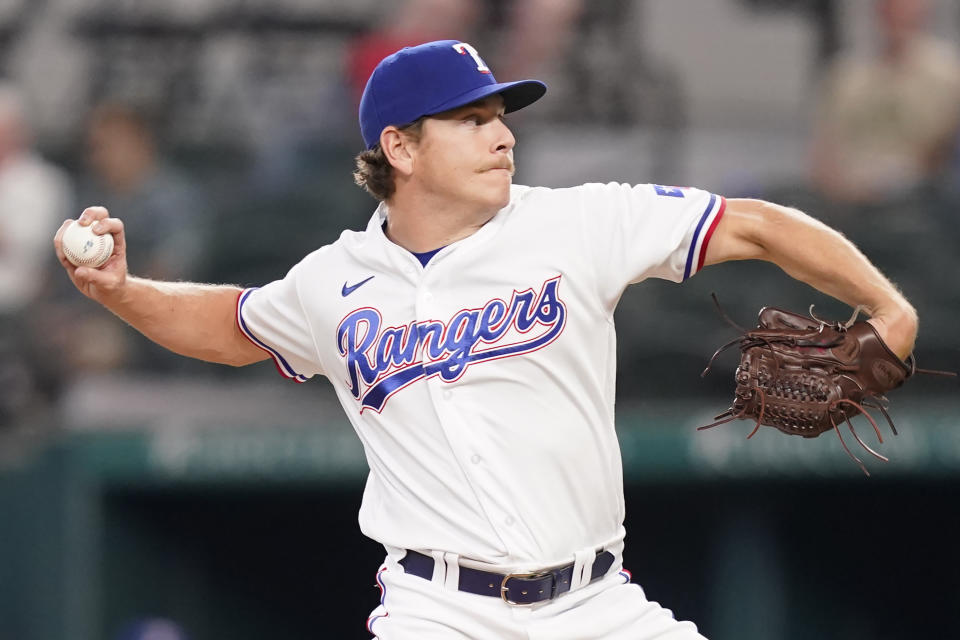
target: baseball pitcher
468 332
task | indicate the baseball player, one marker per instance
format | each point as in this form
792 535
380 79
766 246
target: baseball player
468 332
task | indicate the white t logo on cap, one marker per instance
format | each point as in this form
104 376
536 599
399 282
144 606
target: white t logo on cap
463 48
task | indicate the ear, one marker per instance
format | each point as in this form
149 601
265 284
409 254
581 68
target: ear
398 149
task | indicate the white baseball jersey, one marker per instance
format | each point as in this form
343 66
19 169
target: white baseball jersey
482 385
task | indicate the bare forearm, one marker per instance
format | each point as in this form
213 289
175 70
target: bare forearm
820 256
813 253
194 320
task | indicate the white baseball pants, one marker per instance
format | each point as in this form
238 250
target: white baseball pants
613 608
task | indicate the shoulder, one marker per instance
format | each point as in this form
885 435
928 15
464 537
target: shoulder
595 197
328 259
524 197
314 266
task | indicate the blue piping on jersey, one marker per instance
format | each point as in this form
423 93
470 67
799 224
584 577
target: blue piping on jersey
696 236
288 370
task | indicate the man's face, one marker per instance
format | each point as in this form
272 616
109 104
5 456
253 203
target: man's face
466 156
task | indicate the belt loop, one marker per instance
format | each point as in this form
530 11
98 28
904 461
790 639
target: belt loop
439 567
452 577
582 568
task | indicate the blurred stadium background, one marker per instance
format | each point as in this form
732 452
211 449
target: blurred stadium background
138 487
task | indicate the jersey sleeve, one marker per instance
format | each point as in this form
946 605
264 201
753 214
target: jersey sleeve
648 231
272 318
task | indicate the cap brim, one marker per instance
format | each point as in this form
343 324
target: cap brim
516 95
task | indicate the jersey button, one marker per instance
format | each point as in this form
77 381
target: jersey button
508 521
476 459
447 394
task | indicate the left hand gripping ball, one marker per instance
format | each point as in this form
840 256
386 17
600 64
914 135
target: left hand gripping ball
84 248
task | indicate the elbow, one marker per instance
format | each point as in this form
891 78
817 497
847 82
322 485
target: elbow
753 229
243 358
237 350
234 355
776 224
232 360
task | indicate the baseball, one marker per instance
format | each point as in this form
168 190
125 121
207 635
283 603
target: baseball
84 248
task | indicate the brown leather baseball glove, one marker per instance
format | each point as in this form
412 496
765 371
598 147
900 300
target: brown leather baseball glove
804 376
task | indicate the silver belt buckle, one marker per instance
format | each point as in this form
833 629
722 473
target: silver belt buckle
504 590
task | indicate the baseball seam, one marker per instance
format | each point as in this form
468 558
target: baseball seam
96 259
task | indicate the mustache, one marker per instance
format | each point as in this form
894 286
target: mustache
503 164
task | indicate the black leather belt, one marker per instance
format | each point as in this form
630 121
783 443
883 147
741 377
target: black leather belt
513 588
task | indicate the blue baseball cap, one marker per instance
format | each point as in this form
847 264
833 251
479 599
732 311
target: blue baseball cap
431 78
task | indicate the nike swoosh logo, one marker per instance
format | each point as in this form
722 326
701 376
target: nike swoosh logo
348 290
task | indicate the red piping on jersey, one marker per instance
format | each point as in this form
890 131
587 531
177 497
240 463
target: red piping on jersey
383 596
706 238
273 357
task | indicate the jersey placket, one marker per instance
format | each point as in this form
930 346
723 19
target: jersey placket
434 302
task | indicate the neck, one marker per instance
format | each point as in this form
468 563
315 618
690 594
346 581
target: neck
428 223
